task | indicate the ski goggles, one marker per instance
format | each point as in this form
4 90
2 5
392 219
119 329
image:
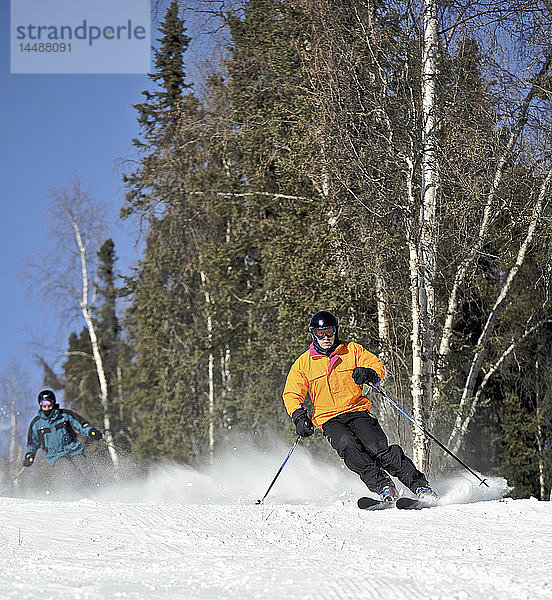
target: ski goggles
322 332
46 403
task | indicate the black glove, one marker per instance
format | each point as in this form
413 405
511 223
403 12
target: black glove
28 459
94 433
363 375
303 425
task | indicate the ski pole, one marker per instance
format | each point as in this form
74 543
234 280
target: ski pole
15 479
280 469
429 435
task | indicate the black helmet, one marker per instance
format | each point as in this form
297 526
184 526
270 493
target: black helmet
47 395
319 320
322 318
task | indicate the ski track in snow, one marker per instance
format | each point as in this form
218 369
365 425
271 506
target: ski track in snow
96 549
200 537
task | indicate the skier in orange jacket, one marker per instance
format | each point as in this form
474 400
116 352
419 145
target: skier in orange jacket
333 372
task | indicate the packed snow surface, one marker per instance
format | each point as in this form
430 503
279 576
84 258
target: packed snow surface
181 534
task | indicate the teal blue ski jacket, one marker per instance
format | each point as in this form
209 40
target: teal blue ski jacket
56 434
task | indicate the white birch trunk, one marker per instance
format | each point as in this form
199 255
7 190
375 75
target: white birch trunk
423 359
211 400
120 391
542 479
383 324
98 361
210 372
540 444
416 344
415 334
225 356
13 431
225 369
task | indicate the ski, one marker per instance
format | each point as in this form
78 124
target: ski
367 503
412 504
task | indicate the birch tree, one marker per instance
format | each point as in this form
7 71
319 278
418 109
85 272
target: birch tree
521 146
424 262
468 402
66 277
15 394
448 122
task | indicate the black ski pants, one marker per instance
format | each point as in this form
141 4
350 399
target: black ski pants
362 444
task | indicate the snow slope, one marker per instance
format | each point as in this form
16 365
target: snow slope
180 534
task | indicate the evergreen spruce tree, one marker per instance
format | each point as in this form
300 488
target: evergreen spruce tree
80 380
294 186
109 328
159 114
166 323
518 446
312 242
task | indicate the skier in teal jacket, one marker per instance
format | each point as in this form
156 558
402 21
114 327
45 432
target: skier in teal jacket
55 430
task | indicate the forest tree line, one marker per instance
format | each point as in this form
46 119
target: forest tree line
388 161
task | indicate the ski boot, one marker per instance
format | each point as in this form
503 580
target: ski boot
388 493
426 494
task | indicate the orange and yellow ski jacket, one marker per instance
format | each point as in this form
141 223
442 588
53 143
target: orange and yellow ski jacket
328 381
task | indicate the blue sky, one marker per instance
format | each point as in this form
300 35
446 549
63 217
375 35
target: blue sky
55 127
